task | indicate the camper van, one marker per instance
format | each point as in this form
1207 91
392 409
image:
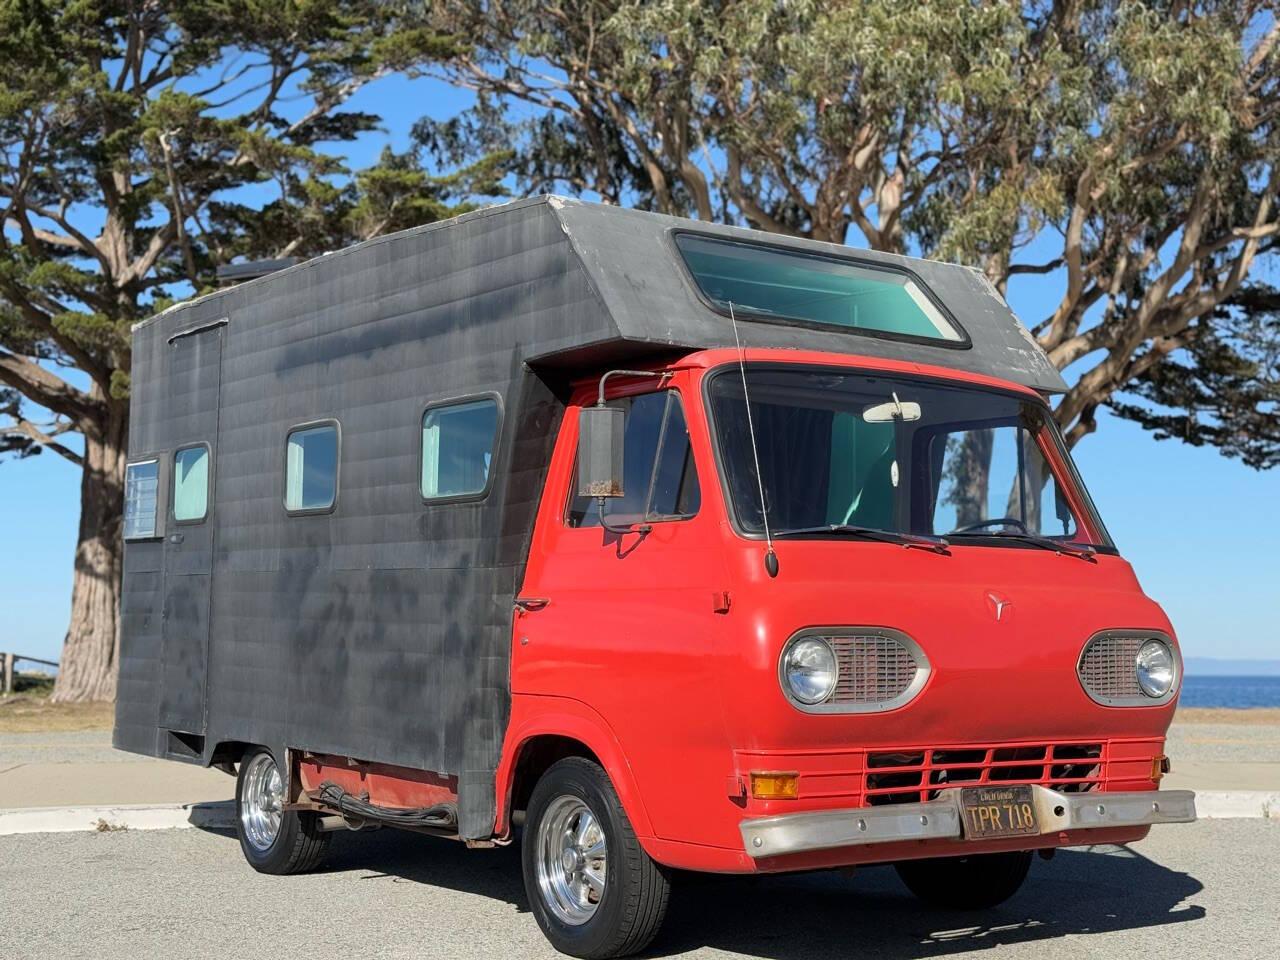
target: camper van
651 545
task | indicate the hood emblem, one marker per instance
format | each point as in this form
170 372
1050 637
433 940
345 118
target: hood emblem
999 605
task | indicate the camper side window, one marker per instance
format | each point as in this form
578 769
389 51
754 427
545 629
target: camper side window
457 448
191 484
141 494
311 469
658 477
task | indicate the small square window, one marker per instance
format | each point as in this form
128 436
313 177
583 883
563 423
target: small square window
311 468
457 448
191 484
141 488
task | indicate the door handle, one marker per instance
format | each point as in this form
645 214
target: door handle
531 604
176 538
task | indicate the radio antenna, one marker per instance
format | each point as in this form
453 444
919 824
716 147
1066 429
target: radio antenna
770 558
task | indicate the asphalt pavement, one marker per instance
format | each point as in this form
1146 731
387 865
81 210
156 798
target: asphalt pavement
1204 890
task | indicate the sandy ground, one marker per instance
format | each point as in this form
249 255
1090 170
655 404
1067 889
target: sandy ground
27 714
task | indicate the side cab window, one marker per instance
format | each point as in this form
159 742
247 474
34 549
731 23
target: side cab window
659 481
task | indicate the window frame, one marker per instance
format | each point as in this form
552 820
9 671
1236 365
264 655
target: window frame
157 531
337 467
493 460
173 492
633 394
965 342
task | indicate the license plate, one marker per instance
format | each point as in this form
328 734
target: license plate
998 812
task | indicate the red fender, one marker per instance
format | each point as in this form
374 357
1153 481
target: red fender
534 716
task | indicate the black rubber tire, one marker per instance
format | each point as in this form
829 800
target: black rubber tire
299 847
636 888
977 882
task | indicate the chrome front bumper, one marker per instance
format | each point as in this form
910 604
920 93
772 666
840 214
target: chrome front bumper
940 819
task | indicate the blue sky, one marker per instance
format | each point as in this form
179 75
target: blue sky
1203 532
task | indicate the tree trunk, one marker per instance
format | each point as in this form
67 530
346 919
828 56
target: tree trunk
90 652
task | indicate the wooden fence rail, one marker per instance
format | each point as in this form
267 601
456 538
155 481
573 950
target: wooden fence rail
9 659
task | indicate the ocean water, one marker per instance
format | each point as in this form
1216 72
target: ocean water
1230 691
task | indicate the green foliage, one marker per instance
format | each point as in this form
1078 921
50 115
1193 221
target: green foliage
1223 390
1137 137
144 145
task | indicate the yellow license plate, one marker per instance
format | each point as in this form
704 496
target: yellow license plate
998 812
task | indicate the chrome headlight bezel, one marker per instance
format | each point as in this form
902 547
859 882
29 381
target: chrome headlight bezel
834 637
1136 696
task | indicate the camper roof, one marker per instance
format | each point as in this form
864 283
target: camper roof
667 283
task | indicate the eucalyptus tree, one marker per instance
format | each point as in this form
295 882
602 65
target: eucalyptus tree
143 144
1126 151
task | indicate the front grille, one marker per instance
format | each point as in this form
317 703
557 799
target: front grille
873 669
1107 667
915 776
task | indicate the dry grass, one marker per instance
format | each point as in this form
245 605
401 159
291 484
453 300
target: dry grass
23 713
1255 716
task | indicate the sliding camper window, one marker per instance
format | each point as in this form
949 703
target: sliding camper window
311 468
141 495
780 285
191 484
458 439
658 477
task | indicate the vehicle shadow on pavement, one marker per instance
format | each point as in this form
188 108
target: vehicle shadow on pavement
821 915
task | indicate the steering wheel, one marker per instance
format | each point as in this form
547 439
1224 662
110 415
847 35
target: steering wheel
994 521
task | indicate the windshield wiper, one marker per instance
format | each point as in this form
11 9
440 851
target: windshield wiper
1045 543
938 544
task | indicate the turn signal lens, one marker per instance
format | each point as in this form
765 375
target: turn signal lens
775 786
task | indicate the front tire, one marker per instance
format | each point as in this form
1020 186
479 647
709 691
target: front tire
977 882
593 890
272 839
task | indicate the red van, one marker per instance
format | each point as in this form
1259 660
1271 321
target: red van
657 545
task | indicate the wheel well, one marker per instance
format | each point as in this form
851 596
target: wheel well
536 757
229 751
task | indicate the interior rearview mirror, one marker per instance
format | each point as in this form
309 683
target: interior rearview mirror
891 410
600 451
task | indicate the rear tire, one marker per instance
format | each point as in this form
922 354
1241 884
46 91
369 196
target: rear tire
274 840
977 882
593 890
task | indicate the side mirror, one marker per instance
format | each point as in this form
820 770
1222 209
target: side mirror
1062 507
600 432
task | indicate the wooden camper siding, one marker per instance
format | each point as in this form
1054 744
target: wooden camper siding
380 630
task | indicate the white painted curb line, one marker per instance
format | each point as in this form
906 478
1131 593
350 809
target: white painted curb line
1210 805
123 817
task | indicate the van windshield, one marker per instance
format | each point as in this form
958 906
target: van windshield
896 454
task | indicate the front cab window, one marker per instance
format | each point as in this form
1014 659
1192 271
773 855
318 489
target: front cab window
898 455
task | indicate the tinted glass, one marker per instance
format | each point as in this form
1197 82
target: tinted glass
457 448
767 282
658 478
190 483
311 468
141 485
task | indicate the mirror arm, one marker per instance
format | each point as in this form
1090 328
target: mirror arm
626 373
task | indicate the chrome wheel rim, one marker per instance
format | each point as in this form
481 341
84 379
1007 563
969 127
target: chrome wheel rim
261 805
572 860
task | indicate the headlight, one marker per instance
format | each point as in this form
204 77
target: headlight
809 670
1155 668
